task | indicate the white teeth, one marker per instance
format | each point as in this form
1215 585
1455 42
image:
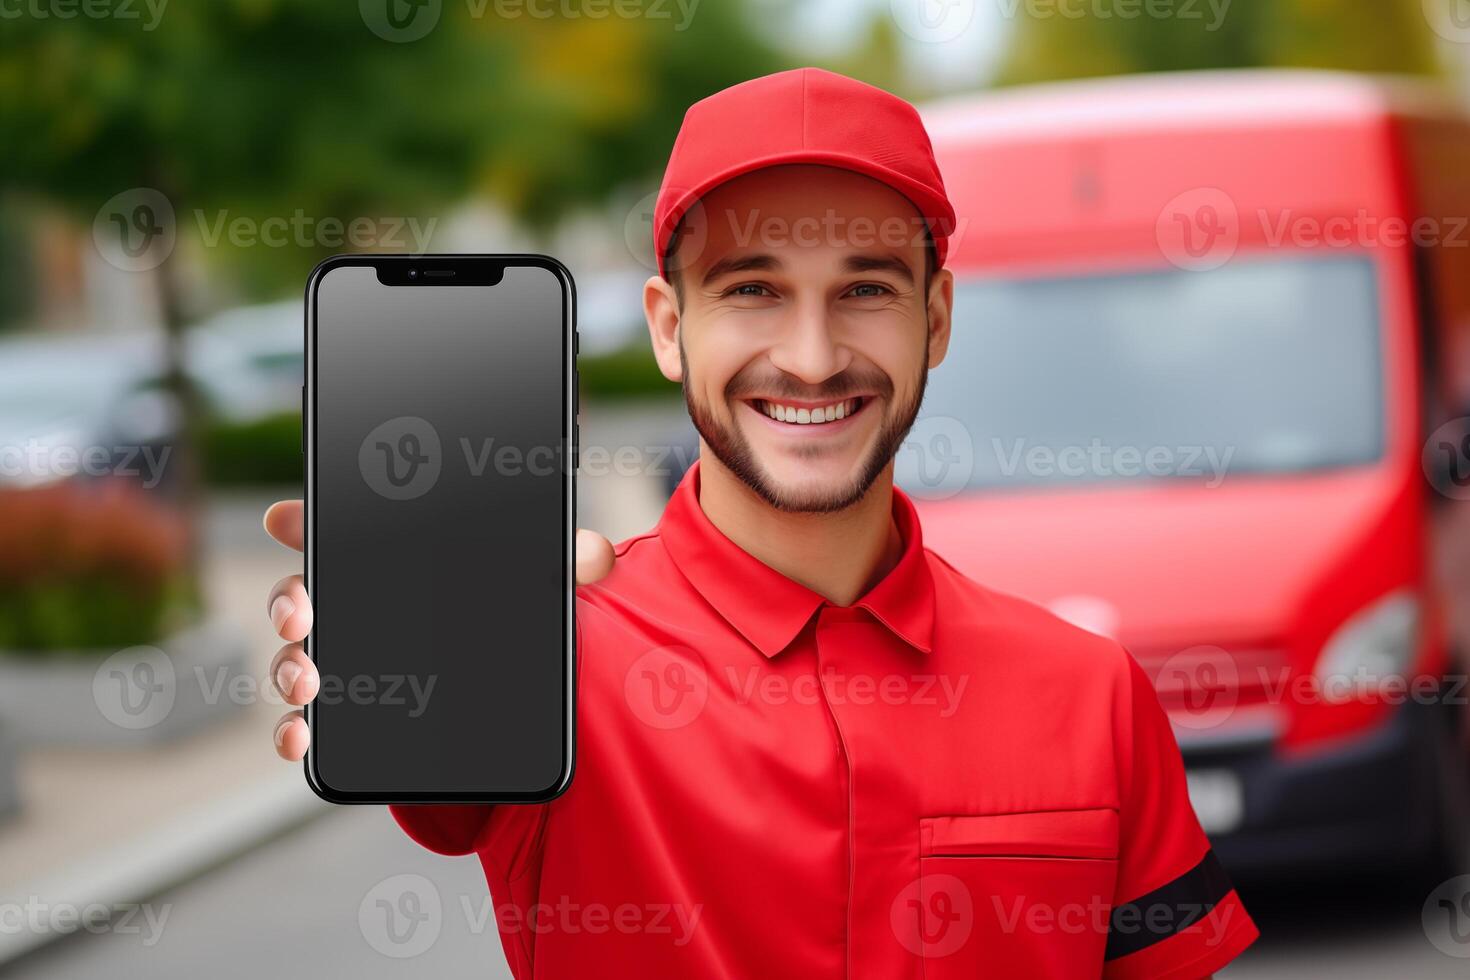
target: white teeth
810 416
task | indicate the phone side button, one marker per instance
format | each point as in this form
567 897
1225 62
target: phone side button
303 420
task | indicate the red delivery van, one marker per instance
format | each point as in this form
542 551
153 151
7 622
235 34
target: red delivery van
1206 393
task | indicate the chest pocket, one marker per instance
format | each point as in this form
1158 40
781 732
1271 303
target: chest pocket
1013 894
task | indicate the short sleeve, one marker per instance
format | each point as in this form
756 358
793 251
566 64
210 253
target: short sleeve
1175 913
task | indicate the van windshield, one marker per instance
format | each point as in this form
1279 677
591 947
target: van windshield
1261 366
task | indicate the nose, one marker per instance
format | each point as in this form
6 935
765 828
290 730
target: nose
807 349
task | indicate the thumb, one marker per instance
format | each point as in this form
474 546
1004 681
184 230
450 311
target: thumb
594 557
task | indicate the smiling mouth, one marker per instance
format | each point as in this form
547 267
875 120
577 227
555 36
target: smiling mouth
809 414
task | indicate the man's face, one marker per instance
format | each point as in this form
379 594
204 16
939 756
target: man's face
806 332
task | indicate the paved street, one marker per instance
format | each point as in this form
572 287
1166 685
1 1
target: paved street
291 910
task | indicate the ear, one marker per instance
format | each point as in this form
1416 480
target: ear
941 301
661 309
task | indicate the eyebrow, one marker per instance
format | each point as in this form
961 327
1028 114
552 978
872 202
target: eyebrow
765 262
879 263
758 262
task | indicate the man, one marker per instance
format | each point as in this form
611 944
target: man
808 747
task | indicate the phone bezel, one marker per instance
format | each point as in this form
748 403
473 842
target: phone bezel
465 269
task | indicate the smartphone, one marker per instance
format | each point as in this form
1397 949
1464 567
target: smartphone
440 439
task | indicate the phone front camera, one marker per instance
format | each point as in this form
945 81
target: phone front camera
413 273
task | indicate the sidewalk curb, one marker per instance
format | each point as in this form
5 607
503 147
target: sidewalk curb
132 872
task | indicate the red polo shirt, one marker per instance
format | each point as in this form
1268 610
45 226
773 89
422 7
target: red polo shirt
939 781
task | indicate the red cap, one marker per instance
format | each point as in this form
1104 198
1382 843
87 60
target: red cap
805 115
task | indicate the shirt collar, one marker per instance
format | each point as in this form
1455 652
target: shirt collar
769 609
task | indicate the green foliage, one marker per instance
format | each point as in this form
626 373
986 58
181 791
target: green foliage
263 109
266 451
1383 36
629 372
89 615
15 267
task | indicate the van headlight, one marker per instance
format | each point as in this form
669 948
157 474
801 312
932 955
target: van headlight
1375 645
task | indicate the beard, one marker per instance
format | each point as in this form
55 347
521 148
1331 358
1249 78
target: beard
733 450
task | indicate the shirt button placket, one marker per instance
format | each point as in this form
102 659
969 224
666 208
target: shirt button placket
830 668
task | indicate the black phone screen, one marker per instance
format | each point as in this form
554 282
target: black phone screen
439 527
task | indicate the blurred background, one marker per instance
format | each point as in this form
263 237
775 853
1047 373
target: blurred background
1208 393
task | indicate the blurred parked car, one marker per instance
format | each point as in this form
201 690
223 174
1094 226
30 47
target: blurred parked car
1192 376
83 405
67 400
249 361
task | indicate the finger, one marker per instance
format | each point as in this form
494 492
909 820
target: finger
292 737
290 608
294 675
594 557
284 522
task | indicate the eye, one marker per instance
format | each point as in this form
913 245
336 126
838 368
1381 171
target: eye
749 289
869 290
